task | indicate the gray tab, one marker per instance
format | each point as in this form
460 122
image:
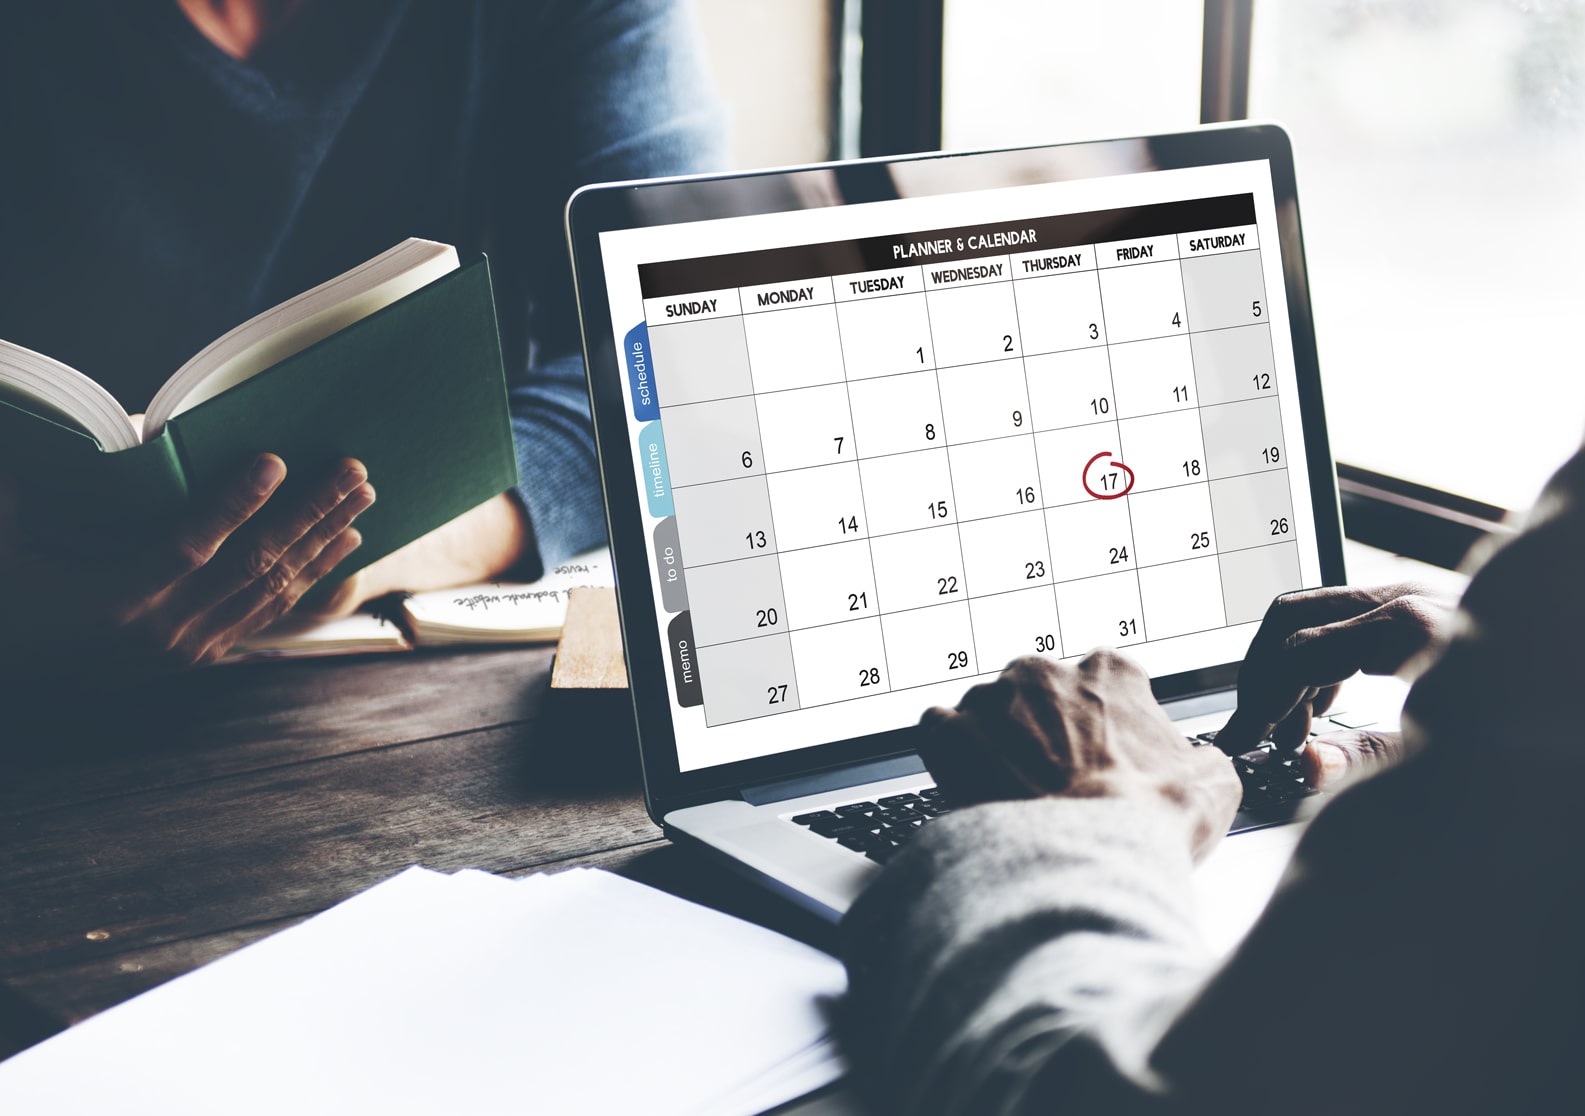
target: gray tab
668 566
684 661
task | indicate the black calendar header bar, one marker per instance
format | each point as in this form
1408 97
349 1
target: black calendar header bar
845 257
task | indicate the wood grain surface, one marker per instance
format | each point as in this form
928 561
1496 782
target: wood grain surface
143 837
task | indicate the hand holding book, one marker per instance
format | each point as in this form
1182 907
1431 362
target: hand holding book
180 595
392 368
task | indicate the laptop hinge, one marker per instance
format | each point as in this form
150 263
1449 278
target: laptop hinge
855 775
1181 709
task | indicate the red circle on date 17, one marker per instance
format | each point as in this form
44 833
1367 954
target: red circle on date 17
1127 478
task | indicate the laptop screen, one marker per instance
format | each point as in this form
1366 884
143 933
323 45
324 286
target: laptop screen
880 449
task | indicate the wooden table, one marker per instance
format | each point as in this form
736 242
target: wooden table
140 842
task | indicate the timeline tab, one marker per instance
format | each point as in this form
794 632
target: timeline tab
657 475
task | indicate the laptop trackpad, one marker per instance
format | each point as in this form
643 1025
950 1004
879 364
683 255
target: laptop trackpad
1235 882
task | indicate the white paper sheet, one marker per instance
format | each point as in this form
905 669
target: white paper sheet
580 992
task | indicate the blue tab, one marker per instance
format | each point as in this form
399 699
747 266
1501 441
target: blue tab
640 373
657 481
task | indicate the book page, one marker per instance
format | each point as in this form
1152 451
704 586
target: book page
285 330
297 638
45 387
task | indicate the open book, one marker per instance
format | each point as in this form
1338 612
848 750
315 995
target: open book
494 614
396 362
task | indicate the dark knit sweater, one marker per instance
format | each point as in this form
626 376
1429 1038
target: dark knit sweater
155 192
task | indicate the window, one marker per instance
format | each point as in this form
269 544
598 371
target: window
1440 150
1017 72
1440 147
773 66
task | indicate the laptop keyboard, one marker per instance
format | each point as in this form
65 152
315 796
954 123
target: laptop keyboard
1272 781
879 829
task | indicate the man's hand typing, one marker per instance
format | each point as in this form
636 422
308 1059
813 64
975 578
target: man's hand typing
1084 731
1309 643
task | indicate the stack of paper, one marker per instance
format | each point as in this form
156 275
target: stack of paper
580 992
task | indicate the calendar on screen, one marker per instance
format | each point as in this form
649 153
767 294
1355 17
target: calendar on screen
885 449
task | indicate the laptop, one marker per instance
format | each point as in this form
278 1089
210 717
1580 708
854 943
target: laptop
870 430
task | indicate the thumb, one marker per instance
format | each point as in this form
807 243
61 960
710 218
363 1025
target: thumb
1331 762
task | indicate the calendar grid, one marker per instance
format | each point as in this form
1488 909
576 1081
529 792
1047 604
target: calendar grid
946 441
1199 413
1006 593
847 387
1009 515
1272 353
1117 421
991 673
974 364
1033 434
771 512
1034 443
903 369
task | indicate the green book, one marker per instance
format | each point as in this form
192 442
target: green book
396 363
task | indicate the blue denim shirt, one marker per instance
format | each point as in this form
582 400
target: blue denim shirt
173 191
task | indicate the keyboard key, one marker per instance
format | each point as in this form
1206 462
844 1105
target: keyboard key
859 842
876 829
1272 780
901 813
810 819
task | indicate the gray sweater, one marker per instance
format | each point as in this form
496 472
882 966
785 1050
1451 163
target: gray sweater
1425 953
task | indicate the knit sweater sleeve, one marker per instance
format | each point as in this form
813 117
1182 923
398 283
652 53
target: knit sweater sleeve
1421 954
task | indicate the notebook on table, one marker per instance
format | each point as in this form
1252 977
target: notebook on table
868 431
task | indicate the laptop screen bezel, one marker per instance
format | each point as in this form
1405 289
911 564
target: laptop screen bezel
594 210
